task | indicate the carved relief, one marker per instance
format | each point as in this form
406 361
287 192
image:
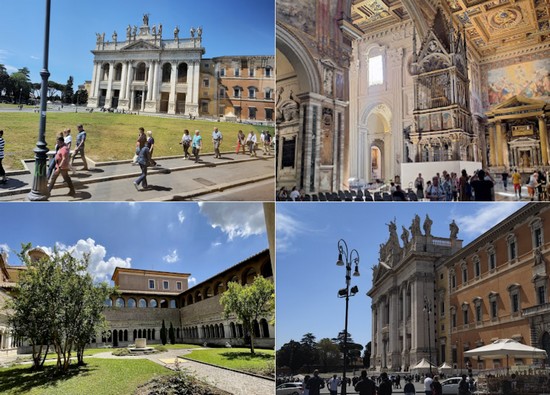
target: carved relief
327 127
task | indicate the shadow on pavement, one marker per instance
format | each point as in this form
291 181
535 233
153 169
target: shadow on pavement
13 183
157 188
81 175
95 170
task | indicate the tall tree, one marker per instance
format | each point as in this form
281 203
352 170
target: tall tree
329 353
4 80
366 355
20 85
68 91
80 97
163 335
290 355
309 349
172 334
249 303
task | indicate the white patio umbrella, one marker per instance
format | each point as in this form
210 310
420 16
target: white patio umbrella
506 348
445 368
423 366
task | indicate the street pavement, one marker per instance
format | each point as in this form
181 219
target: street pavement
242 177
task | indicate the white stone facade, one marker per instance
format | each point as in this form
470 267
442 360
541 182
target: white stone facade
147 73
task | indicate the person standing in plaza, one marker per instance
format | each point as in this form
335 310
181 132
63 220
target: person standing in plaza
140 142
2 144
409 389
385 387
482 184
419 185
216 141
196 145
435 191
315 384
516 181
62 166
241 142
143 161
505 176
267 143
251 141
428 384
333 385
437 389
151 144
365 386
52 164
186 143
80 144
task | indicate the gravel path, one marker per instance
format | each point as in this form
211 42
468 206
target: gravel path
227 380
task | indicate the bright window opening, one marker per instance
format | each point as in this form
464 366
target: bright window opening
376 70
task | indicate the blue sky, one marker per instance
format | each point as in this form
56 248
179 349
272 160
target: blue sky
200 239
239 27
307 276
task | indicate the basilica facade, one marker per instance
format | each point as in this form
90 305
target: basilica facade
149 72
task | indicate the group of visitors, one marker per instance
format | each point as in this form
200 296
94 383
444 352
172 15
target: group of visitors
450 187
251 141
363 385
295 195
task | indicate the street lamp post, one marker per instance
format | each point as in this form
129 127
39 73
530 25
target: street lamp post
428 310
20 93
40 182
351 258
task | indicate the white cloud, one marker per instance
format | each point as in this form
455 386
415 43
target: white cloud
485 217
236 220
5 248
216 244
35 57
171 257
288 230
100 268
181 217
191 281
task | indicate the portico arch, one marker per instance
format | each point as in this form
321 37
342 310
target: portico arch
375 144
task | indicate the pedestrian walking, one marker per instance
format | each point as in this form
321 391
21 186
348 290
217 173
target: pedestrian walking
51 165
140 142
2 144
516 180
216 142
186 143
333 385
241 142
409 389
196 145
151 144
252 141
365 386
385 387
62 166
428 384
267 143
315 383
80 144
143 161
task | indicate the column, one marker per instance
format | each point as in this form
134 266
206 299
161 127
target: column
196 83
110 85
155 82
374 347
492 146
94 82
394 329
150 80
129 81
380 337
543 139
131 92
172 98
499 147
98 80
123 81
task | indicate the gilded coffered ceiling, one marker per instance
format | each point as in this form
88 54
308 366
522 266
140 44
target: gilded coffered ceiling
495 26
370 14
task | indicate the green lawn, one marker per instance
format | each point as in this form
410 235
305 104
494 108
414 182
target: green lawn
181 346
237 358
53 355
99 376
110 136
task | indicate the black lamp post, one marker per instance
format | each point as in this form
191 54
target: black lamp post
20 93
40 182
351 258
428 310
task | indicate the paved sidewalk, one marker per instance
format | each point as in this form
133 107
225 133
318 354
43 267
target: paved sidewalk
174 179
227 380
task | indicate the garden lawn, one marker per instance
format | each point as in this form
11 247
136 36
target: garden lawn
53 355
111 136
98 377
237 358
180 346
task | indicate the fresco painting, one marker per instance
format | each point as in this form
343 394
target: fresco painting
529 79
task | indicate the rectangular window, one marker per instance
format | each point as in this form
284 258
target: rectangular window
492 261
178 286
252 93
515 303
236 92
538 237
477 268
453 281
512 250
251 72
269 114
442 308
494 310
204 106
464 275
165 284
251 112
237 72
376 70
268 71
541 294
206 83
465 317
478 313
222 92
222 72
268 93
453 320
151 284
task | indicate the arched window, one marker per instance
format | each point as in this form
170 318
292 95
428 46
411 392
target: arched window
105 72
182 73
119 302
153 303
375 68
222 331
232 330
140 72
265 327
163 304
208 293
248 276
256 328
218 288
172 304
131 302
125 335
118 72
166 72
198 296
108 302
189 299
142 303
135 334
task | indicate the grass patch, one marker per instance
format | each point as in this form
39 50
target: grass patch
104 376
111 136
237 358
180 346
53 355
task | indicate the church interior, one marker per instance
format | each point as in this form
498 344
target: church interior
383 89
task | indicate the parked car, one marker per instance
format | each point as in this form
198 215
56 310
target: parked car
290 389
450 386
